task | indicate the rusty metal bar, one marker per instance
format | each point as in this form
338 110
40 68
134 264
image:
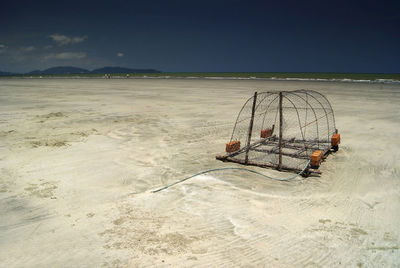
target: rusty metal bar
261 164
253 109
280 131
294 155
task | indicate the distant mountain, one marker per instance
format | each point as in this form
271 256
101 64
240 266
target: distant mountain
75 70
35 72
5 73
60 70
118 70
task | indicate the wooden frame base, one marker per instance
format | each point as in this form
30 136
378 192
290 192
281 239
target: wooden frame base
226 158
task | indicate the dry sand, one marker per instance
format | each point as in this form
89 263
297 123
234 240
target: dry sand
78 159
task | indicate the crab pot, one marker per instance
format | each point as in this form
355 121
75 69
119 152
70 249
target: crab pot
282 130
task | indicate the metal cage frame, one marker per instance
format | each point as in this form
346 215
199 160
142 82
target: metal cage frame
304 120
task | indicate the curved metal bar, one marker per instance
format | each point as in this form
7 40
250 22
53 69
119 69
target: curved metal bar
323 106
266 110
326 114
303 91
327 101
305 120
298 118
291 92
259 103
237 118
267 95
276 114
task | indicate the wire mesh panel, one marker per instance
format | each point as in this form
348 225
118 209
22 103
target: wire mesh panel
282 129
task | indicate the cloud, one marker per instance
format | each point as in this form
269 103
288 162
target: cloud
63 40
28 49
48 47
120 54
66 56
2 48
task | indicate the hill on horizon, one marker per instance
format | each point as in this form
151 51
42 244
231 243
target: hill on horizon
5 73
60 70
75 70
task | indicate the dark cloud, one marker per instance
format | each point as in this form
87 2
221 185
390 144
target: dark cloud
63 40
66 55
3 48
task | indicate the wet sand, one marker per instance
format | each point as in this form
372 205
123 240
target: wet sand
79 158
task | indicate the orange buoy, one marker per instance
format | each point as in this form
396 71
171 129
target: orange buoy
265 133
232 146
316 159
335 141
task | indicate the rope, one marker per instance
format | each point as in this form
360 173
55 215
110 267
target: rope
232 168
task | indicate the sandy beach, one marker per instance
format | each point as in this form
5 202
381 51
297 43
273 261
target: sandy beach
80 157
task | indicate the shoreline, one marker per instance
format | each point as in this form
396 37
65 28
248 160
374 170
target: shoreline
296 79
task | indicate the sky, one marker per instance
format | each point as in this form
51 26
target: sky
202 36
